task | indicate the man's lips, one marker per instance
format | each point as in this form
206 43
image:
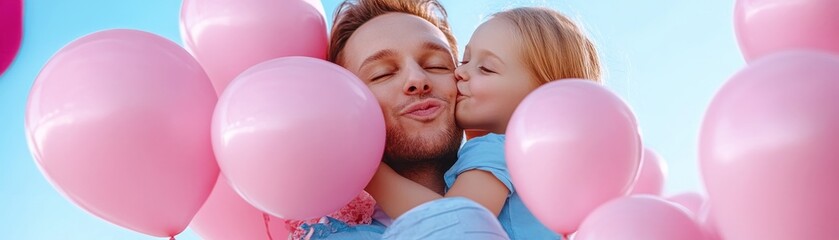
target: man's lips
424 110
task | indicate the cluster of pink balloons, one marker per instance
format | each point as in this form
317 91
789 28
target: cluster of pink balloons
575 155
136 129
768 147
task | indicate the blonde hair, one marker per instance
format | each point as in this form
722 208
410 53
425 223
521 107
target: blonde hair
350 15
552 45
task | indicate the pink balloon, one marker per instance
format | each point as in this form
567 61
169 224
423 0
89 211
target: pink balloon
692 201
707 222
651 177
298 137
225 215
119 122
229 36
768 149
11 27
767 26
639 217
571 146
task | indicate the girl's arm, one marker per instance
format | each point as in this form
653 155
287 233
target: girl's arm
396 194
482 187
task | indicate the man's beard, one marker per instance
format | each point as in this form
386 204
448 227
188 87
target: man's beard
439 149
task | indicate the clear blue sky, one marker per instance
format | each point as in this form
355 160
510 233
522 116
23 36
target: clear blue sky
666 58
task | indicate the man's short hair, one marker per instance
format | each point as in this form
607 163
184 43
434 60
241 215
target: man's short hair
351 14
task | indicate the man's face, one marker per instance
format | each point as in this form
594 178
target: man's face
408 65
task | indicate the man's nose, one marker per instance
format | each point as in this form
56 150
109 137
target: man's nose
417 82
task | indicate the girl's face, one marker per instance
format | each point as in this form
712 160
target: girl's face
492 79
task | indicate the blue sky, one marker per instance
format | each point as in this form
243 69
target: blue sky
666 58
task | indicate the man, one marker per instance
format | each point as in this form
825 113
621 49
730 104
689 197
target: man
406 53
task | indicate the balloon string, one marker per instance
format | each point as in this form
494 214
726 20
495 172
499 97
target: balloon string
172 238
267 218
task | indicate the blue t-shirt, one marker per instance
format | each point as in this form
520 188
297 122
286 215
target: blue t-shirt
486 153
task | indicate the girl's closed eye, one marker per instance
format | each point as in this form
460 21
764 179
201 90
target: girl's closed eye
486 70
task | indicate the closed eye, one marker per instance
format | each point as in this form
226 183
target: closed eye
485 70
438 67
380 77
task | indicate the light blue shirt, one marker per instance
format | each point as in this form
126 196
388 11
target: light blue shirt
486 153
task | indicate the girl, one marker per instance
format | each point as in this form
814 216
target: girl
509 56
